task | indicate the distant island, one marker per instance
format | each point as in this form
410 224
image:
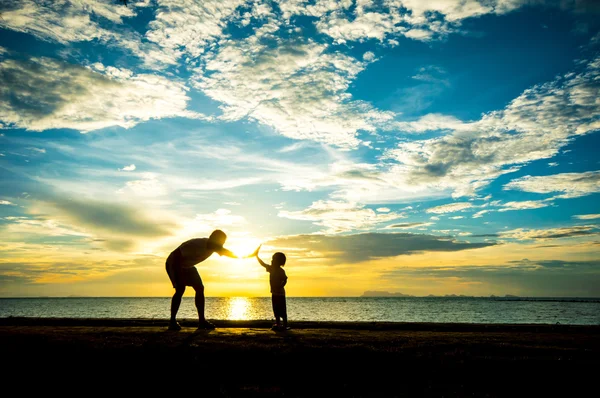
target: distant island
381 293
376 293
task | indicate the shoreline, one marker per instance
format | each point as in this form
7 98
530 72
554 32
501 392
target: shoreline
265 323
313 359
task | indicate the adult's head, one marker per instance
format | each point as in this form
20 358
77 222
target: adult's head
217 237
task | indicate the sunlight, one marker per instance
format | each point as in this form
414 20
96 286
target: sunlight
238 308
242 246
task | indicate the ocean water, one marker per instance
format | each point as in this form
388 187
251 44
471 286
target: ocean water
366 309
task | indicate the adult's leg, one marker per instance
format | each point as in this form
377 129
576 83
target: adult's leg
200 302
176 302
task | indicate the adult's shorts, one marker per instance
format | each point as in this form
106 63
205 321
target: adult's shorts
181 276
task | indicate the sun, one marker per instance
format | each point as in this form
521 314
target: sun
243 246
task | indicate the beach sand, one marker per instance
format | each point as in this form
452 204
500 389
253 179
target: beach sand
245 358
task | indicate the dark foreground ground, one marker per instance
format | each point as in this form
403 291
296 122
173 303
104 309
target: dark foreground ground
141 358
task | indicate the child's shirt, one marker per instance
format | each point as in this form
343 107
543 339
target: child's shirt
277 279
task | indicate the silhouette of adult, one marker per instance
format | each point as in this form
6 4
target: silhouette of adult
182 272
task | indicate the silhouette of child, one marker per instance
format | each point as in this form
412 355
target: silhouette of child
277 280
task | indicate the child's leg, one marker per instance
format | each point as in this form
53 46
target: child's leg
284 311
275 310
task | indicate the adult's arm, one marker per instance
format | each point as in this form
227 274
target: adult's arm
225 252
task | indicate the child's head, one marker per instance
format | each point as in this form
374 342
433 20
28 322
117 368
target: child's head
278 259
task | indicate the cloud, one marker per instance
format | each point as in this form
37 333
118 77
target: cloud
535 125
529 278
525 205
79 98
550 233
64 21
450 208
6 203
149 186
337 216
205 223
432 121
131 167
361 247
220 217
27 227
409 225
190 25
570 185
587 216
413 19
480 214
98 21
297 88
105 218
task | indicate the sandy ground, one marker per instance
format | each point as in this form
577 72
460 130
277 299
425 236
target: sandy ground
246 358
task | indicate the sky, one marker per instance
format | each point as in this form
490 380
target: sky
420 147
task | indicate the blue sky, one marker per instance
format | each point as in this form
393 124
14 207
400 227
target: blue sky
445 147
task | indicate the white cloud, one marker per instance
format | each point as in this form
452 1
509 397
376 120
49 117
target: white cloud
456 217
337 216
63 20
67 21
30 226
190 24
550 233
297 88
204 223
80 98
220 217
383 210
535 125
131 167
480 214
524 205
6 203
450 208
432 121
371 25
569 185
369 56
415 19
149 186
409 225
587 216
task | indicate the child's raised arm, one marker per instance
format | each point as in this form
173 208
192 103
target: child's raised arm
261 262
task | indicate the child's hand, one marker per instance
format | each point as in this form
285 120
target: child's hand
255 253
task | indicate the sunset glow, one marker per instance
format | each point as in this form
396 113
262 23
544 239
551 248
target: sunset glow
442 147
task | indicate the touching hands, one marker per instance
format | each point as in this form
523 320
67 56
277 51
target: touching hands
255 253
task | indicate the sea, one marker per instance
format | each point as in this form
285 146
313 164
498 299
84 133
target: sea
521 310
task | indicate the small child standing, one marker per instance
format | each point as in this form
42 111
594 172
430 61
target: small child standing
277 280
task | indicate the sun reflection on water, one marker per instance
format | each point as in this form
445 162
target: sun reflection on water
239 308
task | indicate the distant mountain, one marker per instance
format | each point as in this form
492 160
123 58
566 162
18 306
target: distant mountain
376 293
